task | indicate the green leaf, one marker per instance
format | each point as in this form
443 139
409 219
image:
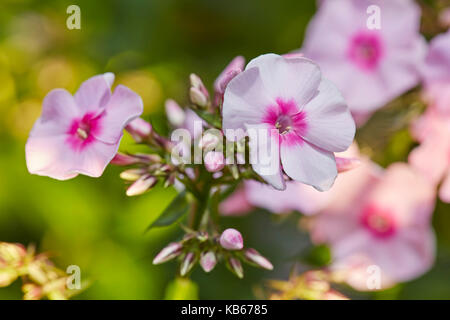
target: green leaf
182 289
317 256
177 208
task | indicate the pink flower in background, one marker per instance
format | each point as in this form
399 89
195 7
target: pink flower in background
298 196
436 73
303 117
80 134
236 204
370 67
385 221
432 157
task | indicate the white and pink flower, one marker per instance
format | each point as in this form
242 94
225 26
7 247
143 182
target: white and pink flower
80 134
370 66
302 117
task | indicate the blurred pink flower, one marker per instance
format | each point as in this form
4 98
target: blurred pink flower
432 157
80 134
384 221
302 115
436 73
304 198
236 204
371 67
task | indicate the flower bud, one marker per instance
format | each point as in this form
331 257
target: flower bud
188 263
31 291
255 257
231 70
208 261
214 161
109 78
122 159
7 276
12 254
236 267
231 239
132 174
197 83
36 272
141 185
139 129
346 164
209 141
198 98
222 85
175 114
170 252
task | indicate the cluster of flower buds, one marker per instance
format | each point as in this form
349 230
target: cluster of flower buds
311 285
150 168
147 169
208 250
41 279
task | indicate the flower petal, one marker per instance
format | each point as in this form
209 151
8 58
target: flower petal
288 78
245 101
124 106
58 111
94 93
265 154
53 157
330 125
308 164
93 160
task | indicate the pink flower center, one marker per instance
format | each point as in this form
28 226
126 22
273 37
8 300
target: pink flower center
82 131
366 50
287 120
380 222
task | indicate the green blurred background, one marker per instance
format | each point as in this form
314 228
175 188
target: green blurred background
151 46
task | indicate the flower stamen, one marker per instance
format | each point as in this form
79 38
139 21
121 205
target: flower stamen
82 133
